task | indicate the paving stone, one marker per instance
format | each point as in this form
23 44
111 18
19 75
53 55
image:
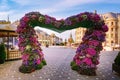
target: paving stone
58 67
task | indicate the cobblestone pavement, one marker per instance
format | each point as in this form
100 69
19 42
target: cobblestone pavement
58 67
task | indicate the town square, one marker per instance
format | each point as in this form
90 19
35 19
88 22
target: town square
37 45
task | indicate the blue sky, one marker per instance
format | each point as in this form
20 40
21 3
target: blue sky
56 8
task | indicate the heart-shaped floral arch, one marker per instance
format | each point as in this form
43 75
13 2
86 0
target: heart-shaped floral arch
87 54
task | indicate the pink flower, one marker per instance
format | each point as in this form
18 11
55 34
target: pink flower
88 55
88 61
93 42
97 33
40 52
25 57
38 61
78 61
22 48
34 16
26 19
91 51
33 39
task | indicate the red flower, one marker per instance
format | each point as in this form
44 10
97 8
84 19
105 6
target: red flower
25 19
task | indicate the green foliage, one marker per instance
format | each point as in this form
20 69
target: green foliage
72 63
74 66
39 66
26 69
88 71
117 59
2 52
44 62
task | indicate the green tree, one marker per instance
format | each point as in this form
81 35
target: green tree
117 59
2 53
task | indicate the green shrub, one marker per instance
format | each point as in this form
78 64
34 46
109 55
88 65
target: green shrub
26 69
74 66
39 66
44 62
72 63
117 59
2 52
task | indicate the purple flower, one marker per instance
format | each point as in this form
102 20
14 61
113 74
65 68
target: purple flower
101 38
68 22
78 50
105 28
93 42
97 33
95 17
25 63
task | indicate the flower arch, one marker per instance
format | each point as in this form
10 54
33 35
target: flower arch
87 54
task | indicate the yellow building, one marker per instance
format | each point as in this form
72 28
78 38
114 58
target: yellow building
70 40
112 20
79 32
43 37
55 40
46 39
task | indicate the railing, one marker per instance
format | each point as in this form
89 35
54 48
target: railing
13 55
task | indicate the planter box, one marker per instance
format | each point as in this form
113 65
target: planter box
116 68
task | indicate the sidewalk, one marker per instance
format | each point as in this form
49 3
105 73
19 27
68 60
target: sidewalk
58 67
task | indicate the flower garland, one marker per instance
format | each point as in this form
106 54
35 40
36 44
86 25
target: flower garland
87 54
85 19
32 56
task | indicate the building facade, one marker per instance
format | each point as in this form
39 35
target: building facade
112 20
79 32
7 33
70 40
46 39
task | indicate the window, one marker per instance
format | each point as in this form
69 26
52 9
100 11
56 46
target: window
111 23
111 35
116 29
112 29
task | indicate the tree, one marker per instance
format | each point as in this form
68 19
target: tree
2 53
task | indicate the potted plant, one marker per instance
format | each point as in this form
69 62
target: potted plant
2 53
116 64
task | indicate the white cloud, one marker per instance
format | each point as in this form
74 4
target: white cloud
3 15
63 5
